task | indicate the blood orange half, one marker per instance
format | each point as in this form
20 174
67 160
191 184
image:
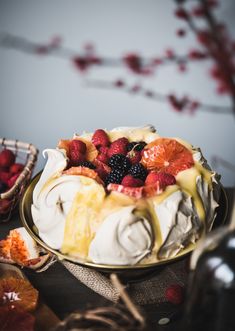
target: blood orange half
167 155
18 293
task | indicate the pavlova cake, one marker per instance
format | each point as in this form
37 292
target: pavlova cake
124 196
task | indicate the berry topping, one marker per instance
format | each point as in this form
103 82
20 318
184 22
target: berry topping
138 171
119 161
78 146
77 151
87 164
130 181
76 158
134 156
175 294
104 150
115 176
7 158
100 138
119 146
136 146
103 158
167 155
163 178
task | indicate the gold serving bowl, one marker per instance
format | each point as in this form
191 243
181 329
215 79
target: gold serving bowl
130 271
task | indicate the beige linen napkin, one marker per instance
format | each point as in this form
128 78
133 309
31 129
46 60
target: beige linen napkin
148 291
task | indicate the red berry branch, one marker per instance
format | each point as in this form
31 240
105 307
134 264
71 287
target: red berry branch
214 45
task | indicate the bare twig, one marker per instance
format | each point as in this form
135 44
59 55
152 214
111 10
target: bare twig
126 299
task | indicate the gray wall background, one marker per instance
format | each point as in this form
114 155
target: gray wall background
42 99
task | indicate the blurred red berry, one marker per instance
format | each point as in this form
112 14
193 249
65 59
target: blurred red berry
12 180
16 168
5 176
5 206
175 294
7 158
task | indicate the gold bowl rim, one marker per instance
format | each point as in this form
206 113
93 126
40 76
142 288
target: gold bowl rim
27 199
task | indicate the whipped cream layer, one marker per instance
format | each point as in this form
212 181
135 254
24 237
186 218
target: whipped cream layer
123 239
52 199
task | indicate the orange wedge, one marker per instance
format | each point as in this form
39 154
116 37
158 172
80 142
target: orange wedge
83 171
18 293
91 152
167 155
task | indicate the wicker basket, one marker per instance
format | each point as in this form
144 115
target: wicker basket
27 155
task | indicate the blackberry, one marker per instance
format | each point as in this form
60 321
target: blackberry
136 145
120 162
87 164
138 171
115 176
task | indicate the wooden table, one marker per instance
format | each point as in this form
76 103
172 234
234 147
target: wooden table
63 293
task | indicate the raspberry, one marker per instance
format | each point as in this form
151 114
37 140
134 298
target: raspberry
138 171
16 168
78 146
87 164
119 161
104 150
174 294
130 181
115 176
119 146
76 157
163 178
7 158
103 158
136 146
134 156
102 169
100 138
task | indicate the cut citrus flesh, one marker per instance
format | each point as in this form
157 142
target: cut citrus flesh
167 155
137 192
83 171
91 152
18 293
12 319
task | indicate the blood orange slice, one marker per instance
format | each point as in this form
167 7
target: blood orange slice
18 293
137 192
83 171
167 155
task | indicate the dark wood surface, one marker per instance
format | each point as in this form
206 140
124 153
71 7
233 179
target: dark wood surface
63 293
